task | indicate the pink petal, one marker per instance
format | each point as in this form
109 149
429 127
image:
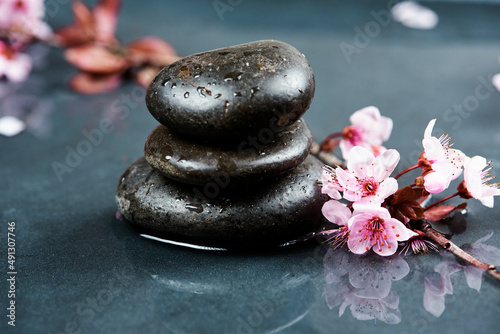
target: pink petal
359 160
336 212
429 128
356 242
152 50
106 16
487 196
95 83
349 183
329 185
345 148
385 250
96 59
456 159
472 175
387 188
365 116
386 163
385 130
397 228
433 149
435 182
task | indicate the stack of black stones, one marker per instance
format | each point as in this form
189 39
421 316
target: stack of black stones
228 166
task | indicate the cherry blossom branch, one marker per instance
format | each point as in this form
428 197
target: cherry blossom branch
406 171
441 201
325 157
326 142
457 251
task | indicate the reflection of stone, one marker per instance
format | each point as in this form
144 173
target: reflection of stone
438 284
191 288
364 284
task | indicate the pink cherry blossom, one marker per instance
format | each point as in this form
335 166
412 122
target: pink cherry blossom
24 17
14 66
441 163
373 227
368 177
475 183
368 129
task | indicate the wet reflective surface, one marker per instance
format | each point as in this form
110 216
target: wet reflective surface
82 270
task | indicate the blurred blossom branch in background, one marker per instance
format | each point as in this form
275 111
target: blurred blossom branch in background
90 44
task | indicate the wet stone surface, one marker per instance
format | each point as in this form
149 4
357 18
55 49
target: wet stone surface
262 215
254 159
232 92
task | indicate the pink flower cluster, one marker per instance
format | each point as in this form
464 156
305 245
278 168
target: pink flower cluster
374 213
21 23
366 184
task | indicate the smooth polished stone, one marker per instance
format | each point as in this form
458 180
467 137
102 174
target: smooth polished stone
252 160
233 92
263 215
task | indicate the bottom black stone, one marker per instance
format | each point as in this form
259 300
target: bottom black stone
263 215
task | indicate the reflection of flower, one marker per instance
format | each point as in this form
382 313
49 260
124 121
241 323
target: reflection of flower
475 183
368 129
14 66
441 164
21 108
438 285
363 283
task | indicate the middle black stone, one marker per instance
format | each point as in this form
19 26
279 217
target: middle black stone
254 159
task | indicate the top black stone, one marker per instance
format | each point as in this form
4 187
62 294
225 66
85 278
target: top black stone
233 92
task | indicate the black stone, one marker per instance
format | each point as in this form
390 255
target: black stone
254 159
232 92
267 214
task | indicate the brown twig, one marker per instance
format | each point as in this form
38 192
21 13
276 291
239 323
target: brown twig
457 251
325 157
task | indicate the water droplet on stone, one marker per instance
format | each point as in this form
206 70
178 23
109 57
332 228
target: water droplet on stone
233 76
186 95
254 90
194 207
237 94
166 82
173 86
